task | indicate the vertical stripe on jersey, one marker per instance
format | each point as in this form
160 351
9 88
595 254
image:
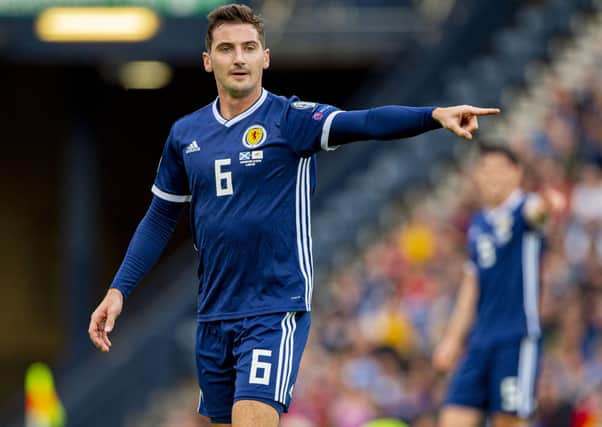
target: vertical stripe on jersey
281 355
310 242
307 235
290 354
527 367
301 216
531 248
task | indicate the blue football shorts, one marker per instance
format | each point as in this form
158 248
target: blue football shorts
253 358
498 378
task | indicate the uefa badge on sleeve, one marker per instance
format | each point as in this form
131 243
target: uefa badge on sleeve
254 136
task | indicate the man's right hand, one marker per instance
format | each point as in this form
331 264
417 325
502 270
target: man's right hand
103 319
446 355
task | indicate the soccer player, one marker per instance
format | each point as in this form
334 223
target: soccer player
498 301
246 164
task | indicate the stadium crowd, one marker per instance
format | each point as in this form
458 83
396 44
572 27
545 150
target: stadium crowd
369 354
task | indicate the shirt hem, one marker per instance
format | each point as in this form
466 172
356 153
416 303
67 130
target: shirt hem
242 314
495 340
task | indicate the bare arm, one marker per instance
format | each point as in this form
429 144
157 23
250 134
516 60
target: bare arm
449 350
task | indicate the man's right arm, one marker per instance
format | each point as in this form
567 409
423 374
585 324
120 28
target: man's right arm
449 350
146 246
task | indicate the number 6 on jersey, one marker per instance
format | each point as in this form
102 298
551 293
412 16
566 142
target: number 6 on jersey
221 177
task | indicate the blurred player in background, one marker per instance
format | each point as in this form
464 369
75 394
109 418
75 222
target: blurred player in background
498 300
246 164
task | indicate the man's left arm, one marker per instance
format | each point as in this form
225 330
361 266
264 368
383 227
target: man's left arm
393 122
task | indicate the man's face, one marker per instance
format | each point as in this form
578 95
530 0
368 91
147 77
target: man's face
496 177
237 59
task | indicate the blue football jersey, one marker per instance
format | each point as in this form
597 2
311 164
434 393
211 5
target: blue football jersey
249 182
505 252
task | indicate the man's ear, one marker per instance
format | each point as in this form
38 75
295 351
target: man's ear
266 59
207 62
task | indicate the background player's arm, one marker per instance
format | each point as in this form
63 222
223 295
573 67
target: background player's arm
543 204
148 242
450 348
393 122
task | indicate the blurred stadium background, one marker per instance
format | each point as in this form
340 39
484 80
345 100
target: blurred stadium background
83 127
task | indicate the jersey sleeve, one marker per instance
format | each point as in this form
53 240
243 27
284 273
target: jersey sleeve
306 126
171 182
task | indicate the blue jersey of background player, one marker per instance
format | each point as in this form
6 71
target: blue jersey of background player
246 164
497 307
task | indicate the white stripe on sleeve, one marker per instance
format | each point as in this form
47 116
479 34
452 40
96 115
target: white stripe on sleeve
170 197
326 132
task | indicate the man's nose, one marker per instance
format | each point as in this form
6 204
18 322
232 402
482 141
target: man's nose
240 57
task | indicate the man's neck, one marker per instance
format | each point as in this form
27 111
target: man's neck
230 107
504 200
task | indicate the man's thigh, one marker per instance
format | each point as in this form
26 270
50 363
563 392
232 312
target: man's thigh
251 359
513 378
468 387
268 353
459 416
216 372
505 420
251 413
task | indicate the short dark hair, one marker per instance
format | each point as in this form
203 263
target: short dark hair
233 14
498 148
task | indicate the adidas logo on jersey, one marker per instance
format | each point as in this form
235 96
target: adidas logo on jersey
192 147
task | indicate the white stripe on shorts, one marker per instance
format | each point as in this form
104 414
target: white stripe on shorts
198 409
281 355
527 367
290 361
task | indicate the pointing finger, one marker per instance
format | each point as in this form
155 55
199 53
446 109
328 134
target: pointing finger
483 111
